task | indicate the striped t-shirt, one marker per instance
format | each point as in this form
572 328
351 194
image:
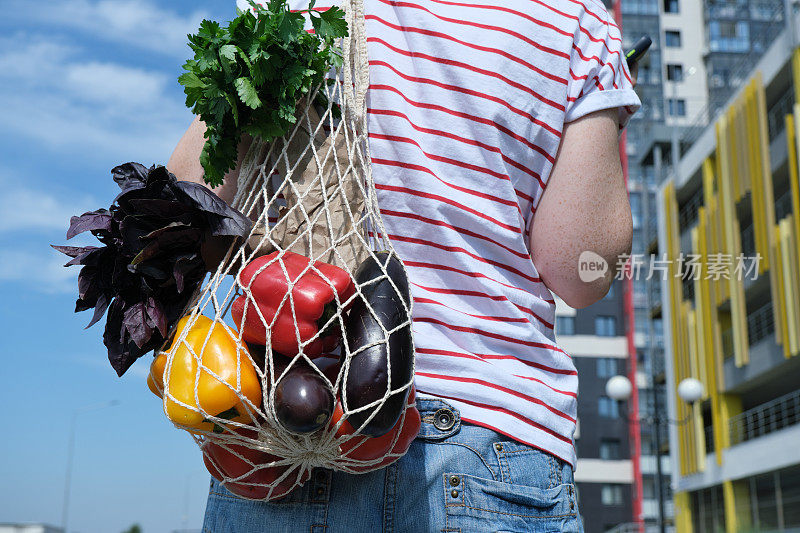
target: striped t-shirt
467 102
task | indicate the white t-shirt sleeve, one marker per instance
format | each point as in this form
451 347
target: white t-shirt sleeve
599 77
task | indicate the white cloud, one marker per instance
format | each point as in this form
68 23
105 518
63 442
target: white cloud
107 111
24 209
110 84
138 23
45 272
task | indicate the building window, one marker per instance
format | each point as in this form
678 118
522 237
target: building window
610 449
648 448
671 6
606 367
672 38
565 325
677 107
674 72
728 36
611 495
610 294
605 326
608 407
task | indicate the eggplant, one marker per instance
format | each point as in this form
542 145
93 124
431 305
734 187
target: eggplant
303 401
367 378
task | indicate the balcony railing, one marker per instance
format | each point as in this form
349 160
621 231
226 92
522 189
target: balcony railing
760 323
776 116
727 343
766 418
772 16
783 205
687 215
709 434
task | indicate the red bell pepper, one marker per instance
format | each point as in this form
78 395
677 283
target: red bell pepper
313 293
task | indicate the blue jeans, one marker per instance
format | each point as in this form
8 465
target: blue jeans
455 478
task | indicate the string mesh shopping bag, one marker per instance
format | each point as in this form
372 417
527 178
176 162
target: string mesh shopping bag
318 315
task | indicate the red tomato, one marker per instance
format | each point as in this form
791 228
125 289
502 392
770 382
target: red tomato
371 448
236 460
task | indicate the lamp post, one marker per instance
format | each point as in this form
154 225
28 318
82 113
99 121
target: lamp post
690 390
71 453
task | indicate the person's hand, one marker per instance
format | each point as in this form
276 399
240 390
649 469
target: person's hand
634 72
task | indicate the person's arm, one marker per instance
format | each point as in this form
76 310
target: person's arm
585 207
185 160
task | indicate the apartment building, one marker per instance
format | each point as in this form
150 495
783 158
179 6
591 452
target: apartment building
595 338
672 87
728 224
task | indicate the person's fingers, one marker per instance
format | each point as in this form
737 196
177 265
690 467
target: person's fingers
635 72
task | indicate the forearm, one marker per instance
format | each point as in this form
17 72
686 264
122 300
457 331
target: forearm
587 210
185 161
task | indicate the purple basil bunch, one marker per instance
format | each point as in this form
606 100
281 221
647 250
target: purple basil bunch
156 236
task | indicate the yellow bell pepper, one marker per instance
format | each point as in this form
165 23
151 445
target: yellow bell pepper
216 397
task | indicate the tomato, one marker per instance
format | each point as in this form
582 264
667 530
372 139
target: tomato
237 460
371 448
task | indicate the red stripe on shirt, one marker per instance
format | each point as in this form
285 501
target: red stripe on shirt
473 142
491 334
481 317
430 196
497 409
461 114
466 66
437 266
459 229
507 390
498 264
494 297
506 31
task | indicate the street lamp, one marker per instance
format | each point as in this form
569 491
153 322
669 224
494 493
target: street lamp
71 453
690 390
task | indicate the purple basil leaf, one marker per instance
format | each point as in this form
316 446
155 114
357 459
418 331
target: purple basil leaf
129 175
99 310
135 322
73 251
93 220
184 265
228 221
158 208
156 317
132 229
118 354
89 285
148 269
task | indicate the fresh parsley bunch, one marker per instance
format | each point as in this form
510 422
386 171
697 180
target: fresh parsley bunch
248 77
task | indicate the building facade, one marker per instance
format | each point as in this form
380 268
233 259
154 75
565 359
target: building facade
595 338
728 226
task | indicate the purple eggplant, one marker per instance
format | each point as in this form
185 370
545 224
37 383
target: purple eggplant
303 401
367 378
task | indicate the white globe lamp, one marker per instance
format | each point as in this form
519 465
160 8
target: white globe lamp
619 388
690 390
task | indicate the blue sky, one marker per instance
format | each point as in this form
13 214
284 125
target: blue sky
85 85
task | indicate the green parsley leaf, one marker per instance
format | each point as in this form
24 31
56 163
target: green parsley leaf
249 76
